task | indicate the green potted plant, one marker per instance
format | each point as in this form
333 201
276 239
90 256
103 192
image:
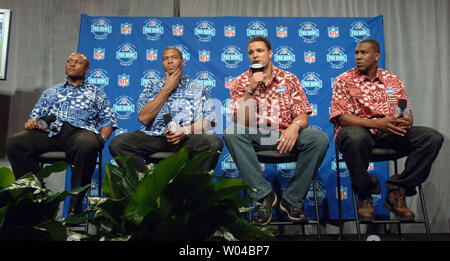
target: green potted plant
28 211
173 201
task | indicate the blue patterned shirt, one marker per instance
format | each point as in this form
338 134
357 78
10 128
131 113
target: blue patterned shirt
190 102
85 106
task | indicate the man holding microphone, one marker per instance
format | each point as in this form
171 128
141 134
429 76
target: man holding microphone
175 112
370 109
271 111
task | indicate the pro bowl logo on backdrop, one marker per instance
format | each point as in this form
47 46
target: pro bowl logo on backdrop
256 28
309 32
184 52
205 31
123 80
99 78
231 56
153 29
284 56
206 79
204 56
151 55
282 31
99 54
310 57
229 82
101 28
286 170
177 30
359 31
229 167
124 107
150 75
126 54
311 83
343 170
125 28
333 31
229 31
321 193
336 57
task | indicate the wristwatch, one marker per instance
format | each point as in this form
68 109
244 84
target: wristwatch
251 93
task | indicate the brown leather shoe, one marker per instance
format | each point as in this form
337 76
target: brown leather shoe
396 203
365 210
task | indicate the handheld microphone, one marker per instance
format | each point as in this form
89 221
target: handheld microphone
169 124
44 122
401 111
258 67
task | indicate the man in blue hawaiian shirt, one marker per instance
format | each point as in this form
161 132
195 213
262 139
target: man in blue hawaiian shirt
75 117
191 111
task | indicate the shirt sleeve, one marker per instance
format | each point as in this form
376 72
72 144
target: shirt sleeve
106 114
300 104
147 95
207 106
42 106
340 101
237 92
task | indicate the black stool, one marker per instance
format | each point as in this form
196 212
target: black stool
55 156
376 155
275 157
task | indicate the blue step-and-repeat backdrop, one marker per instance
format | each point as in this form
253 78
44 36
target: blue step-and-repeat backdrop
125 54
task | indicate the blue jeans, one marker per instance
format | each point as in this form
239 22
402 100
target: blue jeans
242 142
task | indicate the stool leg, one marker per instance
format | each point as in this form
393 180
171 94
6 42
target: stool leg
338 184
425 214
358 229
316 203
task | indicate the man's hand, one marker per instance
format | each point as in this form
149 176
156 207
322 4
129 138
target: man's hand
175 136
397 126
288 139
256 78
172 80
31 124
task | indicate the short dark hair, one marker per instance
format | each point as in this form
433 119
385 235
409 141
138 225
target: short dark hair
261 39
375 45
175 49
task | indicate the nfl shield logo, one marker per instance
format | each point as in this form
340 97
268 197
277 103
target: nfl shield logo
310 57
282 32
152 55
125 28
229 82
124 80
333 32
177 29
230 31
203 56
99 53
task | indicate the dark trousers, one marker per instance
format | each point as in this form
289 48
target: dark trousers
81 147
421 144
139 146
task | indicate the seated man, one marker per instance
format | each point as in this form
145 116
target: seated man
362 109
271 112
80 119
179 99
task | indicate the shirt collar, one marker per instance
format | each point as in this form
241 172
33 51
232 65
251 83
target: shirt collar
82 84
361 77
